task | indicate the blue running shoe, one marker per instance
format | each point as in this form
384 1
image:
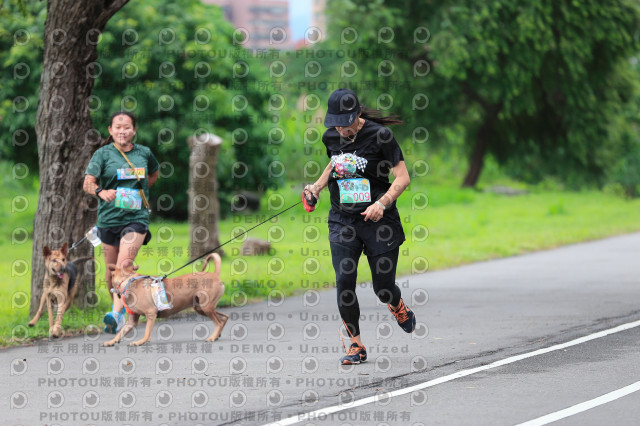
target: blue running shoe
111 322
405 317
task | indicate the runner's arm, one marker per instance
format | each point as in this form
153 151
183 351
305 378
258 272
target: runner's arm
319 184
153 177
400 183
90 184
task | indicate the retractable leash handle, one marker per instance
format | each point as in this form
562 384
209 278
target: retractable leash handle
309 203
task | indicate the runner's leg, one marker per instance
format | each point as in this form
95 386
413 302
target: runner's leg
345 263
383 276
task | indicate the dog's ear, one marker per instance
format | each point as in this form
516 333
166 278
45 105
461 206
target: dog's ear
64 249
46 251
129 268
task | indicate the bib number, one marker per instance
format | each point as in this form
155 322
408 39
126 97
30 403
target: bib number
124 174
354 190
128 198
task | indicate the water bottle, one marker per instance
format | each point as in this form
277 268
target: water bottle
92 236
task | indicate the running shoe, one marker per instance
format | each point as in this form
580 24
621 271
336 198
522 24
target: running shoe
113 322
405 317
355 355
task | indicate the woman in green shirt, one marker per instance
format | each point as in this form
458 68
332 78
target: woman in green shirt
120 175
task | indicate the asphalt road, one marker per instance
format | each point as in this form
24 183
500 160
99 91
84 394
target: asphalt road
472 359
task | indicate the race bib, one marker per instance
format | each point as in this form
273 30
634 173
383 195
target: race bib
128 198
354 190
124 174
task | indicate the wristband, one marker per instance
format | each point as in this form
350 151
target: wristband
381 205
98 189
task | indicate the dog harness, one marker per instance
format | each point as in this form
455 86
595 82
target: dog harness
159 297
124 292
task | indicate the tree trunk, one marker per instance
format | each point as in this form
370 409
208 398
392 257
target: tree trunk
66 138
476 161
204 208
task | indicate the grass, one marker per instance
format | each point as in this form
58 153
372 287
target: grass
445 226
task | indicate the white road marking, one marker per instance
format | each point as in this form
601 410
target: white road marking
583 406
324 412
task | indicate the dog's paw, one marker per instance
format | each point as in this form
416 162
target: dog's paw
138 343
32 324
109 344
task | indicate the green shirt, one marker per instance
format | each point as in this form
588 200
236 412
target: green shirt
113 172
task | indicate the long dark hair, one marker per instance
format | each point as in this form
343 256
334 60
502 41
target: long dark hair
114 115
376 115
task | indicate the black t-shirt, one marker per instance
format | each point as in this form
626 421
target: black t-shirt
360 169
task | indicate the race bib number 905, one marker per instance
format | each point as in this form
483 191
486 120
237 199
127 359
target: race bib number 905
354 190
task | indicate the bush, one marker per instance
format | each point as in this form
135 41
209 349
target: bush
626 173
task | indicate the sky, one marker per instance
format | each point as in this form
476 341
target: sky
299 17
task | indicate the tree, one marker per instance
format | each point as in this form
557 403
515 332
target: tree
547 80
535 84
65 135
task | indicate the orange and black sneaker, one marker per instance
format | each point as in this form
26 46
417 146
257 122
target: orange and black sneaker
405 317
355 355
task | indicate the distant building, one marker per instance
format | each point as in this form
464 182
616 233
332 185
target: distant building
264 22
319 17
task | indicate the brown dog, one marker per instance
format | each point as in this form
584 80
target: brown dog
200 290
59 284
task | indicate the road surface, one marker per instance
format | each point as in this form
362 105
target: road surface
543 337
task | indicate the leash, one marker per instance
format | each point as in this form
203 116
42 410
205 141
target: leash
309 205
90 235
239 235
77 243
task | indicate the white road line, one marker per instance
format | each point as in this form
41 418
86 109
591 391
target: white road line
323 412
583 406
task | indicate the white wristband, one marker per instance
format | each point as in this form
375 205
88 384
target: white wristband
381 205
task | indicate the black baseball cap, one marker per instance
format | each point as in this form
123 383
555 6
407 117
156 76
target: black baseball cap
343 108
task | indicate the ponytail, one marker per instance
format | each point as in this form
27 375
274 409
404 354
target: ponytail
377 117
107 140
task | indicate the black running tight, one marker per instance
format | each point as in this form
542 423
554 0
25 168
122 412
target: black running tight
383 273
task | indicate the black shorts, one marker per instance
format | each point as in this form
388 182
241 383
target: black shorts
113 235
374 238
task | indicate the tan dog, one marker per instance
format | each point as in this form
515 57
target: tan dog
200 290
59 285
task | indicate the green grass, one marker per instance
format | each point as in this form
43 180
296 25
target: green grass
445 226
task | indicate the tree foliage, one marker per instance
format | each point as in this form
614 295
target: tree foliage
536 84
21 63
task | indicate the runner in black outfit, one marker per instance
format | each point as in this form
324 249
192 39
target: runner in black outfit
363 215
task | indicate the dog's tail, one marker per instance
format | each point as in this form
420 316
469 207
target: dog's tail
217 261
